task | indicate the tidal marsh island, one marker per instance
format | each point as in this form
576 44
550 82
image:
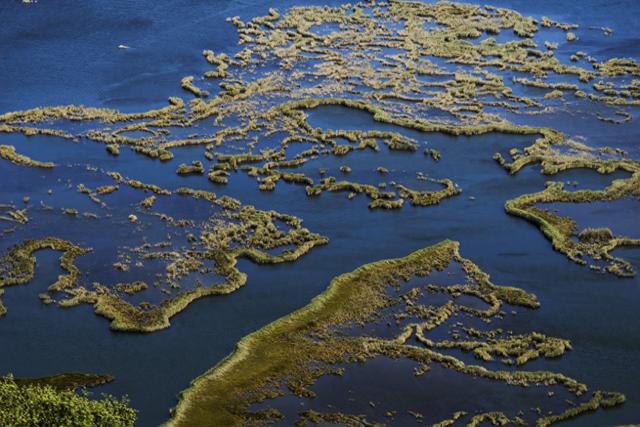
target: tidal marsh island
391 312
330 139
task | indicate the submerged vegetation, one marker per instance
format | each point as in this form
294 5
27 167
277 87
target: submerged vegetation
337 330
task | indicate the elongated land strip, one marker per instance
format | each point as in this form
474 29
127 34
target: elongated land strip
288 356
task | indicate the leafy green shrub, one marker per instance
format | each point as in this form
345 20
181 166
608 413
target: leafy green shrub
42 406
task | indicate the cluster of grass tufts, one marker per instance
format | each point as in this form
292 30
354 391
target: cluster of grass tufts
187 84
597 243
8 152
237 231
289 355
195 168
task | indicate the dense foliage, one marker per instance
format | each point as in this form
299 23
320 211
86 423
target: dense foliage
42 405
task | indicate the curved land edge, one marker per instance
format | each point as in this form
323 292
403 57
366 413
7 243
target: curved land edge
281 350
210 398
67 380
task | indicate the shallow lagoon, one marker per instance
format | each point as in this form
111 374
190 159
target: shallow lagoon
45 62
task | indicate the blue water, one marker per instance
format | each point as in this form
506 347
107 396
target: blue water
66 53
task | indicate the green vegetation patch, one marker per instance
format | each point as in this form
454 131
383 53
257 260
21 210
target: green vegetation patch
289 355
45 403
8 152
237 231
